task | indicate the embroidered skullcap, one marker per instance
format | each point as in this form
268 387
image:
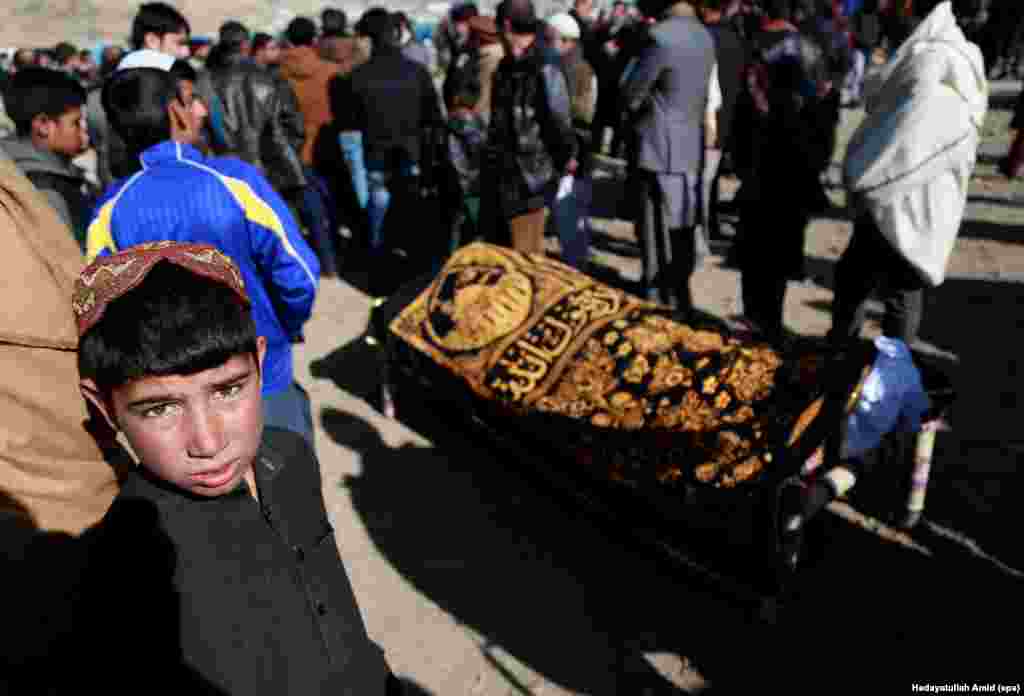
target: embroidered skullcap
109 277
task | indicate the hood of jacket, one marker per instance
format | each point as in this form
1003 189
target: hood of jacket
931 98
966 75
301 63
31 159
910 161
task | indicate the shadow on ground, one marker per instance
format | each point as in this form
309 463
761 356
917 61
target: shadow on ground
573 599
974 330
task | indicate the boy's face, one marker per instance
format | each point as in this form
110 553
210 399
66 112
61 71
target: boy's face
173 43
65 135
187 114
198 432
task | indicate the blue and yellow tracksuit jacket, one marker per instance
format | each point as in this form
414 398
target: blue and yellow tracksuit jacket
183 196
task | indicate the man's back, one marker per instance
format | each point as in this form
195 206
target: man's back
670 99
260 119
394 100
309 75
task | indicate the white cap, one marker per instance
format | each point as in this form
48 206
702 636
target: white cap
146 58
565 25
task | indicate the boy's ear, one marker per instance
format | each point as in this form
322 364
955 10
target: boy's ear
183 124
41 126
261 351
94 397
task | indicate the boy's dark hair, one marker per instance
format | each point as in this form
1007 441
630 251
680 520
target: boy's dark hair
301 31
174 323
521 15
157 18
260 41
64 52
24 58
778 9
37 91
464 12
136 102
182 70
377 24
233 33
333 22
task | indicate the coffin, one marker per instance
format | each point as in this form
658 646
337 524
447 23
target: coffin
621 387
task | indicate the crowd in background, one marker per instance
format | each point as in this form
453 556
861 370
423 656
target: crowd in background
338 145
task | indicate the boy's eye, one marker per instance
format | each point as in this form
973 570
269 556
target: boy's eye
232 390
158 411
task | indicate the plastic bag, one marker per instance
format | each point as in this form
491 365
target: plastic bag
893 398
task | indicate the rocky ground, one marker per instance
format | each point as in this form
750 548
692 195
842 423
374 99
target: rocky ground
478 579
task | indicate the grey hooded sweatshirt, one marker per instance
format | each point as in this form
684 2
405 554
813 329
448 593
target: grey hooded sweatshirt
62 183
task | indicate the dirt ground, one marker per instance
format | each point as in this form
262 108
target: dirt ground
476 579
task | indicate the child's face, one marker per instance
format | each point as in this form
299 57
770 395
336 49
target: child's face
66 135
198 432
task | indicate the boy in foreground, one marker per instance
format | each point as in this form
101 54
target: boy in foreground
215 569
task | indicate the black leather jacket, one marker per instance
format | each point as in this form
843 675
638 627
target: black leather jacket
262 123
531 137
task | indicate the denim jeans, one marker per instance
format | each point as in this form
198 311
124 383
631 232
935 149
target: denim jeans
351 143
289 410
379 184
316 211
571 219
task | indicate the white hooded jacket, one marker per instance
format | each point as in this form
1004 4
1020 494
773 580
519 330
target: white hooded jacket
910 162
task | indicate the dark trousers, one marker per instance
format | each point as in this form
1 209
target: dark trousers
764 296
315 207
669 254
290 410
870 265
770 250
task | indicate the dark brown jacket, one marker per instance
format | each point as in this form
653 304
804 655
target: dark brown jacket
309 75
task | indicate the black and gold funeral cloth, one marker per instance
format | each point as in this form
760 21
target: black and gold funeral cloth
615 382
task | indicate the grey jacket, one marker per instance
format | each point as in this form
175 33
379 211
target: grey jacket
62 183
666 93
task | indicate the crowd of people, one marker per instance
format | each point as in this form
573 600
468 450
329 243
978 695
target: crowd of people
225 171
